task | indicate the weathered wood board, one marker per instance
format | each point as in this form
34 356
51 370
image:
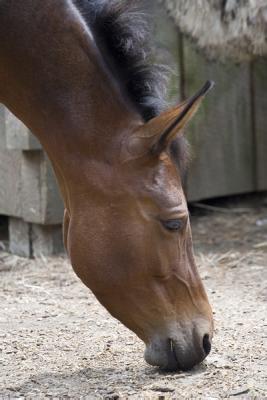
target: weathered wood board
10 174
10 183
41 202
28 187
228 134
18 136
221 132
166 41
2 127
19 237
34 240
259 70
28 191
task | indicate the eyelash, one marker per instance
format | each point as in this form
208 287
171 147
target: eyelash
173 225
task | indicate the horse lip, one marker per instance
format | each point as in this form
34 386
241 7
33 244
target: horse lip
173 364
173 351
177 358
179 366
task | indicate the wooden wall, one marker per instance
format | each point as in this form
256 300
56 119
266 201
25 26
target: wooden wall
228 135
28 191
221 133
259 78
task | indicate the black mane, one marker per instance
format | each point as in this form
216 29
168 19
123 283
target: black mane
121 31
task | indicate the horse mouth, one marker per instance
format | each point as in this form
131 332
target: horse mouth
171 355
172 363
177 360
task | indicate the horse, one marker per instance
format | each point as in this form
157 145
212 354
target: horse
80 75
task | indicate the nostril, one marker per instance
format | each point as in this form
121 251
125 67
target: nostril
206 344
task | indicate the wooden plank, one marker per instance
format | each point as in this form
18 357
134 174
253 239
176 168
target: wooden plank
28 188
19 237
46 240
2 127
41 201
221 132
259 71
10 183
32 186
18 136
34 240
166 41
54 208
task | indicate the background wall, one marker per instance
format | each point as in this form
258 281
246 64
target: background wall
228 138
228 134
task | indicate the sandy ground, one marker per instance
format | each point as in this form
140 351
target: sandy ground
57 341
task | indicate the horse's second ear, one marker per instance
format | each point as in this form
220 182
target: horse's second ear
156 135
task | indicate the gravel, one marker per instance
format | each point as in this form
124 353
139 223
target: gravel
57 341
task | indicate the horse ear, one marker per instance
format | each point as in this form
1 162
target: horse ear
177 119
156 135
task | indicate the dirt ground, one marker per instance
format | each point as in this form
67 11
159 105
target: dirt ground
56 341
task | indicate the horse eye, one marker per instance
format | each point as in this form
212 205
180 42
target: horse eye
172 224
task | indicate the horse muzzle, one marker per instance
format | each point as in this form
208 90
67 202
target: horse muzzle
178 352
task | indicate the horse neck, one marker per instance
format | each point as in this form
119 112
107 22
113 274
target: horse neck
53 78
